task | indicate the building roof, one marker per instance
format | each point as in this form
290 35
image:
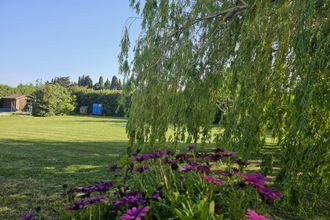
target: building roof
14 96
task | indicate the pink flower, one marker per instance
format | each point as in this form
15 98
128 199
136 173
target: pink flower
211 179
252 215
135 213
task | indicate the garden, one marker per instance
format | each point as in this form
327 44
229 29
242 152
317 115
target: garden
227 116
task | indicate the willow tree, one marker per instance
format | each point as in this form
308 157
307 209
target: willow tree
264 63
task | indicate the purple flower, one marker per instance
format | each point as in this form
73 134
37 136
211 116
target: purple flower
252 215
113 168
254 178
202 168
147 156
28 216
172 162
80 204
141 169
98 199
269 192
229 154
224 173
155 196
211 179
187 168
135 213
98 187
258 180
131 198
191 147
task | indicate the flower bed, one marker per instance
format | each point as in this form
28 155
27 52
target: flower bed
163 184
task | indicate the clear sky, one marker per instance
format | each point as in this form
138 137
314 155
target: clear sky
48 38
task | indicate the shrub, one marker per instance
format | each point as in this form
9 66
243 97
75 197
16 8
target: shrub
52 99
108 98
168 185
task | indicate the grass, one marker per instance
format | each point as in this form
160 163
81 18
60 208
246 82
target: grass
39 155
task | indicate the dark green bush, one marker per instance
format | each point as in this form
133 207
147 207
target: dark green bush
108 98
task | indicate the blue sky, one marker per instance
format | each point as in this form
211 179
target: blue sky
48 38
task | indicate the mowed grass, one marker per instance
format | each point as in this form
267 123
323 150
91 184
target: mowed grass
39 155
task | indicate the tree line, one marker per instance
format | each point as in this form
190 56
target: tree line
86 81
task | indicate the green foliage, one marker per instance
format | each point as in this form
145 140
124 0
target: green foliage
85 81
267 62
62 80
52 99
27 89
108 98
115 83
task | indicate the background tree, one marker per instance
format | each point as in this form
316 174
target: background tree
85 81
62 80
99 85
107 84
115 83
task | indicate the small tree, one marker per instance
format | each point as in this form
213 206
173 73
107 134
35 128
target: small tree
62 80
107 84
101 82
52 99
115 83
85 81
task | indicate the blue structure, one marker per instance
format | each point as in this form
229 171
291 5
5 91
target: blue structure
97 109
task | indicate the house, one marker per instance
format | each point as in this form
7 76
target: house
13 103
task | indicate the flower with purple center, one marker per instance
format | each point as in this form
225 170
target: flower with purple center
211 179
98 187
98 199
202 168
141 169
187 168
80 204
254 178
224 173
148 156
252 215
28 216
268 192
135 213
155 196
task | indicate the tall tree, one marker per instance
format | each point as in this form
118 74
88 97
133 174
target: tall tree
114 83
107 84
85 81
101 82
265 63
62 80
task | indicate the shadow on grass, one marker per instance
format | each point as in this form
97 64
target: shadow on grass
32 173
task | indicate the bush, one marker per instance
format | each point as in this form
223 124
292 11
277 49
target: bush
108 98
52 99
168 185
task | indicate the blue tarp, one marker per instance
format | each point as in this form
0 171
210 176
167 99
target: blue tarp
97 109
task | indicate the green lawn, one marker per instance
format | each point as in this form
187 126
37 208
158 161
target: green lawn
38 155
